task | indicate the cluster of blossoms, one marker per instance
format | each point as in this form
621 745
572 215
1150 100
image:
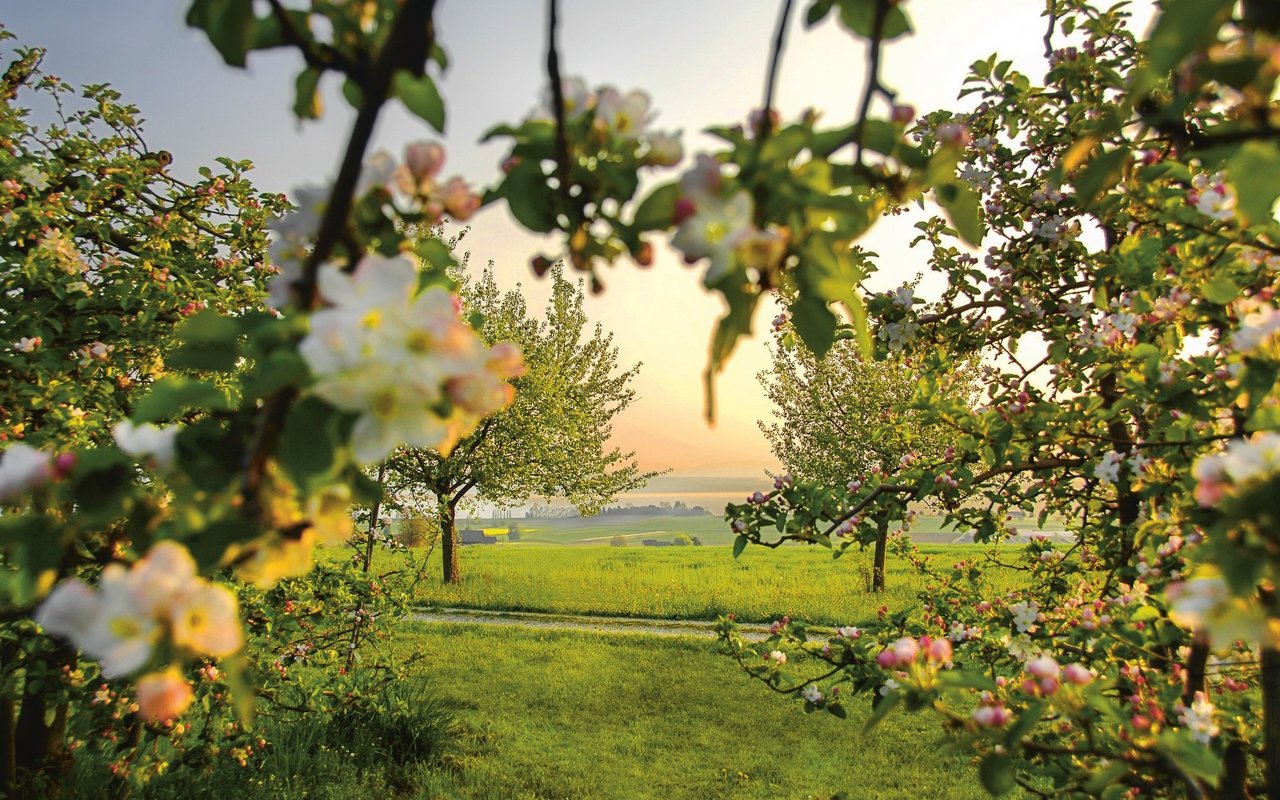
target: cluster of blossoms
1244 462
23 468
121 622
418 177
715 221
1206 605
1211 196
404 361
614 115
152 442
1259 324
416 181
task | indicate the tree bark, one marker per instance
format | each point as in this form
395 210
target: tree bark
449 542
882 546
8 723
1271 720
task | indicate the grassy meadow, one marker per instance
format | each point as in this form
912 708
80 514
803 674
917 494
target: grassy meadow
682 582
509 714
546 714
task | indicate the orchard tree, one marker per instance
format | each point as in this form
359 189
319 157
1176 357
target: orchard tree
105 251
553 438
1125 302
844 416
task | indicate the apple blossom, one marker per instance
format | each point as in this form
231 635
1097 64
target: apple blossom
23 468
153 442
162 696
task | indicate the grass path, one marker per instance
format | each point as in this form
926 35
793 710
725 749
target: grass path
559 715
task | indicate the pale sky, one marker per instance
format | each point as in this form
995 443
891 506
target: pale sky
702 62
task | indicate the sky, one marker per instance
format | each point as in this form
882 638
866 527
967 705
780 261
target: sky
703 63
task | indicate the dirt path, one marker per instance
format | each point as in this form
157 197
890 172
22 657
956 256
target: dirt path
570 622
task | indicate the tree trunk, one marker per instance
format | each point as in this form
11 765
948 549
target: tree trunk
449 542
1271 720
882 546
8 723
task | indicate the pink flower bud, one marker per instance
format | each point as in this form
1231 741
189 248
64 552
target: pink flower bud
1077 674
685 208
163 695
424 159
902 113
939 651
1043 667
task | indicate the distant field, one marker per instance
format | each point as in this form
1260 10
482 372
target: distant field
711 530
681 582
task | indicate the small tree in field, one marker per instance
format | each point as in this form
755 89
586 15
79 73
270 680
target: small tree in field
843 417
552 441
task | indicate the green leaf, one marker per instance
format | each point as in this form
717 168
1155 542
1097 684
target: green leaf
731 327
352 93
529 198
1025 722
964 211
306 99
786 144
658 209
229 24
1103 171
420 96
1105 776
1220 291
815 323
997 774
964 679
170 397
881 709
1253 171
1183 26
309 444
1192 757
739 544
209 341
283 367
817 12
880 136
859 16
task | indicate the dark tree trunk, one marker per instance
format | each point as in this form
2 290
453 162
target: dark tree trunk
1271 720
8 723
882 546
449 542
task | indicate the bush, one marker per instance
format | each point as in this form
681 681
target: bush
682 540
618 541
417 532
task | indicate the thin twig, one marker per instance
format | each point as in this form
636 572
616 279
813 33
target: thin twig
779 41
1053 26
557 98
873 85
410 40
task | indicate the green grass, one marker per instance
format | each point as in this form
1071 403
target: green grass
681 582
550 715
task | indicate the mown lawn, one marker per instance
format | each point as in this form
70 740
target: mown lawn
683 582
548 715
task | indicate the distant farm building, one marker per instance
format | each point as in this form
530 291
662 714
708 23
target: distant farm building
475 536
